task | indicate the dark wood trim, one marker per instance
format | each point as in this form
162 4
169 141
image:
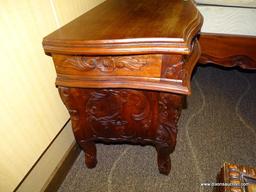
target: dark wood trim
228 50
64 168
229 6
40 157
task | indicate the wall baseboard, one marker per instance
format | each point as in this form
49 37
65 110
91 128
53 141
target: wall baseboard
62 170
50 170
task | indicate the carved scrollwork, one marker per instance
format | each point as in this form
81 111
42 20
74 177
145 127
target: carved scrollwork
175 71
169 113
107 64
123 115
112 112
242 61
104 109
67 100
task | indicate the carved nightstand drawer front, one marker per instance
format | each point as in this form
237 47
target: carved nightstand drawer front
138 65
149 72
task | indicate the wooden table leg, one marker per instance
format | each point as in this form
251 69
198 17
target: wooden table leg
170 106
75 99
90 154
163 159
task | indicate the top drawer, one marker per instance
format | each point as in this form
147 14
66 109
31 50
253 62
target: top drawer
136 65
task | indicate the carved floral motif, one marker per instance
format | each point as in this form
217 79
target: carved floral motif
73 111
169 113
111 111
175 71
107 64
125 115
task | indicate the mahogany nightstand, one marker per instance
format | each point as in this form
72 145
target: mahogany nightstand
123 70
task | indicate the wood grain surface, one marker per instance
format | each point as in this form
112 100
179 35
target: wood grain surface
228 50
129 27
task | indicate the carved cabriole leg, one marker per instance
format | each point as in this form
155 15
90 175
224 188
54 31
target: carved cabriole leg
75 100
163 158
90 154
170 106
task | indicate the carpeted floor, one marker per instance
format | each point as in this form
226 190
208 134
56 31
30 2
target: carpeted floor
217 126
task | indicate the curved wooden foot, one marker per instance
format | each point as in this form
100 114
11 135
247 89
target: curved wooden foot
163 159
90 154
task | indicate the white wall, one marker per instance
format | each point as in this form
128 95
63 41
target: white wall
228 20
31 110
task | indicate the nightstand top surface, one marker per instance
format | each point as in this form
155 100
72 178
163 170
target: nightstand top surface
129 26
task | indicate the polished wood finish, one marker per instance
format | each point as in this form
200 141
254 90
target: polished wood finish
123 70
129 27
228 50
149 72
123 115
238 175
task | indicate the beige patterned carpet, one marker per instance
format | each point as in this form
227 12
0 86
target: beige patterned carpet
217 126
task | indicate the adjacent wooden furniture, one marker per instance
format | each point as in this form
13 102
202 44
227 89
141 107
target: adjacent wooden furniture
242 176
228 50
123 70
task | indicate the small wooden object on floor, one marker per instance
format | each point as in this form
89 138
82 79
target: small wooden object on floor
243 178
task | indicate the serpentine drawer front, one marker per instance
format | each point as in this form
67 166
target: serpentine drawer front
123 70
